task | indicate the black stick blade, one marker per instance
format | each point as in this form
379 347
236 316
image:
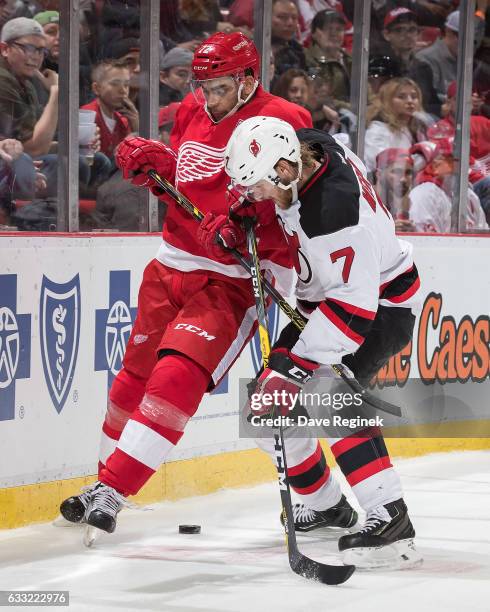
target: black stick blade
326 574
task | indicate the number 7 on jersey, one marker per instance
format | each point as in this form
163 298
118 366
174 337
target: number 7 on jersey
347 253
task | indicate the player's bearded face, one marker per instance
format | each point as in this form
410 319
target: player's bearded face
221 95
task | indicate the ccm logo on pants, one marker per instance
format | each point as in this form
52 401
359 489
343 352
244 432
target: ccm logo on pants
195 330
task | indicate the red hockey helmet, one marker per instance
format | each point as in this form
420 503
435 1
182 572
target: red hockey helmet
224 55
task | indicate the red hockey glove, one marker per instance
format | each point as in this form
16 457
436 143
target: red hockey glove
280 383
212 227
136 155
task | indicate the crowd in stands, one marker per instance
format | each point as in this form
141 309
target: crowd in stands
411 105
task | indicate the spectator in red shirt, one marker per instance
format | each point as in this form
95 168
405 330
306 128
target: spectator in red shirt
116 116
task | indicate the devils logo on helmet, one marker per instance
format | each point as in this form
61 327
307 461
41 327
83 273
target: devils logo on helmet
254 148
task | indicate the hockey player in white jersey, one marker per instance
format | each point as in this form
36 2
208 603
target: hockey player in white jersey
358 289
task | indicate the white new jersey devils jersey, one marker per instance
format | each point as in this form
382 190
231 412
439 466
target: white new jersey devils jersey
346 254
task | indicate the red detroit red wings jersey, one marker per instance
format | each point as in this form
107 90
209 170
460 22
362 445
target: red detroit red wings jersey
200 176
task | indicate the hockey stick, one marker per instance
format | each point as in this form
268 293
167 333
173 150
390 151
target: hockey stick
287 309
300 564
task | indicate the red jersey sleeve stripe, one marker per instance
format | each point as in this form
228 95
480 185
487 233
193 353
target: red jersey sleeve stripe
355 310
337 321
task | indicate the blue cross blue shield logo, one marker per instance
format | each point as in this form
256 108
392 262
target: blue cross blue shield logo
59 321
15 345
113 325
273 317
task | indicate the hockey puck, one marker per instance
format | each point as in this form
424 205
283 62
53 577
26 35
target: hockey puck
189 528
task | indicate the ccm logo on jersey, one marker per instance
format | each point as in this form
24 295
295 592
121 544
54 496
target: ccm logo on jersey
195 330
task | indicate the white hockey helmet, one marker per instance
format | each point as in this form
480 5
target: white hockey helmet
255 147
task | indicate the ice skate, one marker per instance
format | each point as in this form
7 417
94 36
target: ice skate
339 517
103 506
73 509
385 541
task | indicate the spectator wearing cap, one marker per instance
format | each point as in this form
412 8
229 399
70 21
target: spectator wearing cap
431 13
307 11
400 33
393 181
116 116
430 199
327 55
23 48
288 53
49 21
393 119
175 74
441 56
166 119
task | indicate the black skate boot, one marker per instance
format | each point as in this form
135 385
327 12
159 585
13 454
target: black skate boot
342 516
385 541
73 509
103 507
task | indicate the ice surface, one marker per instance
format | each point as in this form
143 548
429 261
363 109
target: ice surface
238 563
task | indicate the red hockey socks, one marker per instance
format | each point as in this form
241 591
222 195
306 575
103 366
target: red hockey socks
173 393
126 393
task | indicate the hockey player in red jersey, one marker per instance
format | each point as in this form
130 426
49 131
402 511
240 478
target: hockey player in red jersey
358 288
195 309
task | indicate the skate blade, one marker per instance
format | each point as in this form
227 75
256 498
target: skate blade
90 535
60 521
397 556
